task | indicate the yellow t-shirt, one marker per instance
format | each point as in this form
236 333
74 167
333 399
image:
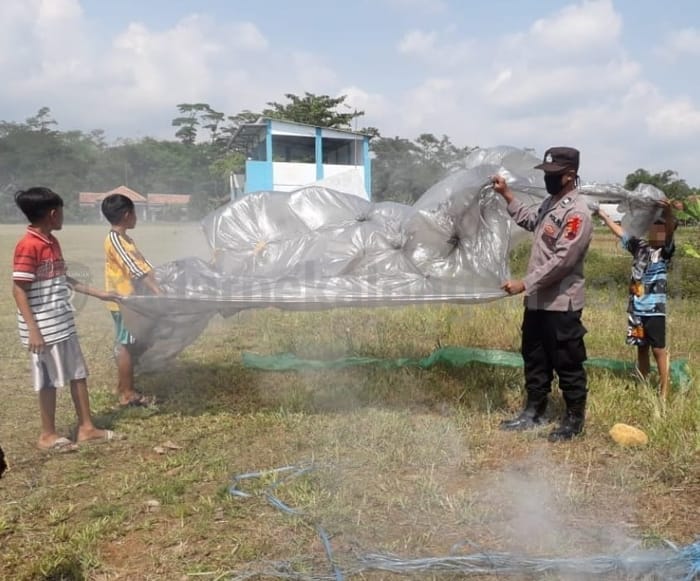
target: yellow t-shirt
124 264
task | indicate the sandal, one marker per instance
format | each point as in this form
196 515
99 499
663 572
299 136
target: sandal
108 436
60 446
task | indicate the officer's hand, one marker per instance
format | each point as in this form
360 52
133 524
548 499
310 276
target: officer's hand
498 183
513 287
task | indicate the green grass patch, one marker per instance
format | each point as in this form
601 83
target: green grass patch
408 460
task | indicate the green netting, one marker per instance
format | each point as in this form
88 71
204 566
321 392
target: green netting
450 356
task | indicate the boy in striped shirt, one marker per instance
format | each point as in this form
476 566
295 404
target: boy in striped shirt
125 268
646 311
42 291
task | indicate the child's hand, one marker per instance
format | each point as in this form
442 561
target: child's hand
36 341
667 207
113 297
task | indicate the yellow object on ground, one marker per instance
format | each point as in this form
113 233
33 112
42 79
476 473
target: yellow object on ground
628 435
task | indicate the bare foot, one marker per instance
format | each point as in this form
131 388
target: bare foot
85 435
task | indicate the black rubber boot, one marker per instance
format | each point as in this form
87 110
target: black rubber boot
529 418
571 424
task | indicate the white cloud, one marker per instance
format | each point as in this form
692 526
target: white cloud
434 98
542 86
445 54
131 87
246 36
312 71
675 119
375 106
590 25
416 42
41 40
685 42
565 78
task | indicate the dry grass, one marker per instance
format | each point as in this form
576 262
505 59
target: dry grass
409 460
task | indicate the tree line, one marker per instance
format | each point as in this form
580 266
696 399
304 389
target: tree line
199 158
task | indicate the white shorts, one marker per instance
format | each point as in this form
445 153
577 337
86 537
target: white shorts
59 363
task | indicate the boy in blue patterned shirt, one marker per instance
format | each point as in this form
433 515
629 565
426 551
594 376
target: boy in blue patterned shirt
646 310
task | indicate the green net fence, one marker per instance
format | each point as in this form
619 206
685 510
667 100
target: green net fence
449 356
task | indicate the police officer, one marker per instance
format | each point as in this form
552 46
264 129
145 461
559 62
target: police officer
552 338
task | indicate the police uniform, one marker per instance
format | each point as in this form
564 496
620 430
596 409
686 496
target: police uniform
552 338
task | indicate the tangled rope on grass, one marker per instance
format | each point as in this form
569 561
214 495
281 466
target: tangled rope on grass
672 564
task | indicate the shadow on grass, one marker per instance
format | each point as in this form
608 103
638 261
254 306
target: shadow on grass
192 388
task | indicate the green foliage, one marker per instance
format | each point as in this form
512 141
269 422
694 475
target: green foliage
611 273
35 153
519 257
667 181
319 110
607 272
684 277
402 170
689 211
201 161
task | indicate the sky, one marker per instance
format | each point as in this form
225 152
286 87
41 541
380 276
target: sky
615 78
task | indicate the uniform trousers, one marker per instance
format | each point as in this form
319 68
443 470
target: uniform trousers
552 341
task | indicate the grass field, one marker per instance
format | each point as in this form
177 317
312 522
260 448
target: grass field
409 461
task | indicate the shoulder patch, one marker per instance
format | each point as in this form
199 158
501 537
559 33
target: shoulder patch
573 225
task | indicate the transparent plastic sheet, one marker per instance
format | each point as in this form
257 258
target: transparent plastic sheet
317 248
640 207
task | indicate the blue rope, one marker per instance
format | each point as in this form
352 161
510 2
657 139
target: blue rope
296 471
680 565
692 554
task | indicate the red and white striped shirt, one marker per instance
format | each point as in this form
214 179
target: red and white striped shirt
38 260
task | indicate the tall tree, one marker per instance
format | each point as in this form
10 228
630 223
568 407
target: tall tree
319 110
194 115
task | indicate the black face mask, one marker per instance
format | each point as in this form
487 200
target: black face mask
553 183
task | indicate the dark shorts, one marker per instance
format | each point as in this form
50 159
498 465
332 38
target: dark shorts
654 331
646 331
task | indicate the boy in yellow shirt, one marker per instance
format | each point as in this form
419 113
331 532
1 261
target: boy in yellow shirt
125 267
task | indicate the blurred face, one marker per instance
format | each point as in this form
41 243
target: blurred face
657 235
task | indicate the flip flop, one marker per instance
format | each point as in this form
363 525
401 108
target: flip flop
61 445
109 436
